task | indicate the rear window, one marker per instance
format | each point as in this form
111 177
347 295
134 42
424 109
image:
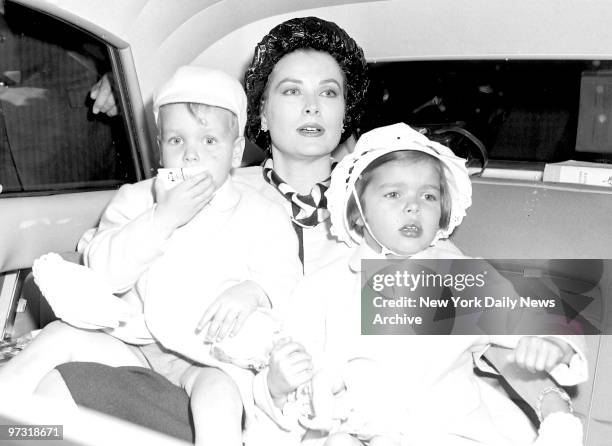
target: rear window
50 140
521 110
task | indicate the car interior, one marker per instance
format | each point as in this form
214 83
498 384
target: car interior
524 95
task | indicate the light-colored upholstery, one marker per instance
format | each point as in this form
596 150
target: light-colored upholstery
535 222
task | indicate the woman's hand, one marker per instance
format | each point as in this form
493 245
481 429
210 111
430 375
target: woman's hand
177 206
290 366
227 314
538 354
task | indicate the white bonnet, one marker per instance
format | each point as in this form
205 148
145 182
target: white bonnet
377 143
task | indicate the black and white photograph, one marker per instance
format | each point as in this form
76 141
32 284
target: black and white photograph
306 223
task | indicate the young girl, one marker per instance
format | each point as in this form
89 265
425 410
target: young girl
400 195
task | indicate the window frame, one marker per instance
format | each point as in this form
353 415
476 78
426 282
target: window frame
127 95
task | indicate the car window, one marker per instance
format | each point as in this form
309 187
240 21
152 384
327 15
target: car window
521 110
50 139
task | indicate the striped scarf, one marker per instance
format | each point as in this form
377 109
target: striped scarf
307 210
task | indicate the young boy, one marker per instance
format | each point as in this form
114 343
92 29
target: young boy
205 246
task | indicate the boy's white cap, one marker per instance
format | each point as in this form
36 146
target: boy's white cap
373 145
203 86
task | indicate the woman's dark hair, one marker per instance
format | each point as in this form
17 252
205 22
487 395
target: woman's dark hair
413 156
306 33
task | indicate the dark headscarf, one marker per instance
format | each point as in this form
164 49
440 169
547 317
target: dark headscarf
306 33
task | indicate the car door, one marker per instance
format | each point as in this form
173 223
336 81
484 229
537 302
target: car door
60 163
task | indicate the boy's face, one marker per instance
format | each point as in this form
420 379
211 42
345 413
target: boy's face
402 205
206 141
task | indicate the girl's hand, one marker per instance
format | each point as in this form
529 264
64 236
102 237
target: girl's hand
177 206
323 388
290 366
227 314
538 354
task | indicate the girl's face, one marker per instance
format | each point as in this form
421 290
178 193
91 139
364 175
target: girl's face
402 205
304 105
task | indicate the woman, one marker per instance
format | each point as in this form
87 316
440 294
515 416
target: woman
305 86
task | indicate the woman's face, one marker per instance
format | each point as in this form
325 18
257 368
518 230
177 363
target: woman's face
304 105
